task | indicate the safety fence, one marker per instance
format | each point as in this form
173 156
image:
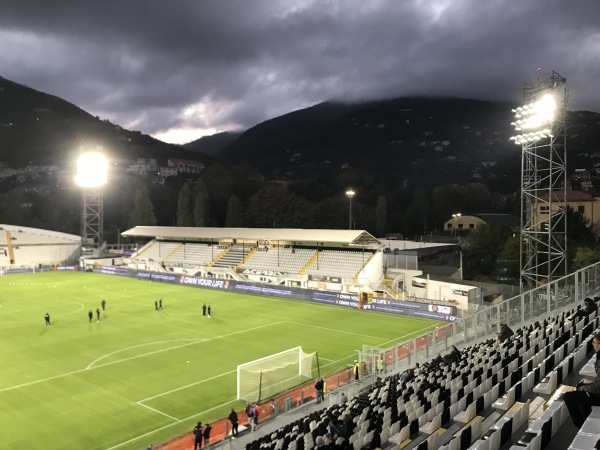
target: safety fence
528 307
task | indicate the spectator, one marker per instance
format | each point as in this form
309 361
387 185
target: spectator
437 360
580 401
590 307
319 390
341 429
417 370
505 332
453 356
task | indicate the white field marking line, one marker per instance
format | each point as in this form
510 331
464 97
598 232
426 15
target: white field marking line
36 308
171 424
333 329
159 412
187 386
74 372
91 365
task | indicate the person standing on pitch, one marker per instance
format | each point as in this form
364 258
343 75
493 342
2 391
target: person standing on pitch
103 305
198 436
206 433
98 314
233 418
47 319
208 310
204 310
160 304
155 306
90 315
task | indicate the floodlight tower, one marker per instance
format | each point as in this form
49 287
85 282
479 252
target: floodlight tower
91 177
541 122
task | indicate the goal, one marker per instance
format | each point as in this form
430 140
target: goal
273 374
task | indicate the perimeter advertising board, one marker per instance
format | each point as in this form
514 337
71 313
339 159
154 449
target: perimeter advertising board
429 311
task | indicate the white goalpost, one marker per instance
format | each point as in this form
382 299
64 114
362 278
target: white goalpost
273 374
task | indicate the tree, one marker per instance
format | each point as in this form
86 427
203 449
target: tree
584 257
381 216
482 248
235 216
184 215
275 206
508 268
143 209
200 212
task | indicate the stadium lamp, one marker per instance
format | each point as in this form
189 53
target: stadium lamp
533 118
350 194
91 170
456 216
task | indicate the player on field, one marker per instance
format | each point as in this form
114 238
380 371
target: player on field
90 315
98 314
208 310
204 310
103 305
47 319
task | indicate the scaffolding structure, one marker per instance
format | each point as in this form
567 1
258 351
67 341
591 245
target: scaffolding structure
92 220
542 124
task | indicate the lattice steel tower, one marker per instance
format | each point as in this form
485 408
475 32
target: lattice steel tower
91 177
542 124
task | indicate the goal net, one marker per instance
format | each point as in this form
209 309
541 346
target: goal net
273 374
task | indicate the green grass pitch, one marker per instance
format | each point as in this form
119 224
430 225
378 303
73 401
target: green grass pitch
141 376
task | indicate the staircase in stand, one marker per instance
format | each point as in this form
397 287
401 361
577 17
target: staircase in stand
233 257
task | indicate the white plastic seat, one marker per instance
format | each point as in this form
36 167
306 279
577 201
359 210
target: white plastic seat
467 415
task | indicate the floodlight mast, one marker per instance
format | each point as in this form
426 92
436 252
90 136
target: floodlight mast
91 177
541 122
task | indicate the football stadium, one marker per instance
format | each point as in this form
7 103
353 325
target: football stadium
138 347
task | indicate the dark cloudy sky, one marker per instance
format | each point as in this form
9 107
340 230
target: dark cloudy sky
180 69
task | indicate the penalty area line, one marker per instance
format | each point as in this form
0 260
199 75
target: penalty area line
159 412
170 425
187 386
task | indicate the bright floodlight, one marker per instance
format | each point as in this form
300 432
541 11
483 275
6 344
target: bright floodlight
91 170
532 118
350 193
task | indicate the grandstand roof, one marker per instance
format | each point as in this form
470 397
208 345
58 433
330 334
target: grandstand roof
359 238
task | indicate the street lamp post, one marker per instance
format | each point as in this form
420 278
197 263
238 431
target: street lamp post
350 194
455 216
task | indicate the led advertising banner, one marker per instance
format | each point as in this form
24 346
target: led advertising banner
323 297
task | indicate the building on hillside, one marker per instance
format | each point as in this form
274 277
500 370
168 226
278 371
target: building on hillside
185 166
466 222
585 204
143 166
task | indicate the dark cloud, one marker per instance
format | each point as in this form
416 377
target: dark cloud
156 66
